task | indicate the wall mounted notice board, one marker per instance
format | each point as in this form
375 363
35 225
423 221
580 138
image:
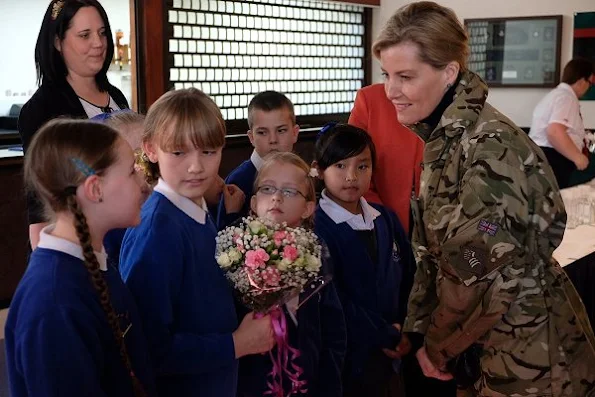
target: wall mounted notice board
516 52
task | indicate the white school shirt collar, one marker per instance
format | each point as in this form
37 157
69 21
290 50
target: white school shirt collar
256 160
338 214
184 204
47 241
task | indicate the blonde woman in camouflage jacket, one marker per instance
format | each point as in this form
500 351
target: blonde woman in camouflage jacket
489 215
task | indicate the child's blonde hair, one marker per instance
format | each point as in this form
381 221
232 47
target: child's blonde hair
277 158
179 118
124 122
61 156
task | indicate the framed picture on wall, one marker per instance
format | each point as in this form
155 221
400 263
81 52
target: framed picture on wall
517 51
583 45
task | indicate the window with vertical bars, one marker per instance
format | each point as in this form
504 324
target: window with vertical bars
312 51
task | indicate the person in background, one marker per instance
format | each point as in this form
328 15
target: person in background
273 128
488 217
130 126
399 152
73 52
557 125
73 328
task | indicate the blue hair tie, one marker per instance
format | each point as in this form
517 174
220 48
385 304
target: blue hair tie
82 167
326 128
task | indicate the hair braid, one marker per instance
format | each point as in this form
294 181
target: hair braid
92 265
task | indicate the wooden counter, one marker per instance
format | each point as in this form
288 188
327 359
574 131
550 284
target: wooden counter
13 227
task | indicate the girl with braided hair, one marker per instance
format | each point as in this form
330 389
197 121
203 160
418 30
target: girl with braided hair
73 328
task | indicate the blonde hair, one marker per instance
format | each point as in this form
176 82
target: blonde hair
62 155
277 158
180 117
435 30
124 122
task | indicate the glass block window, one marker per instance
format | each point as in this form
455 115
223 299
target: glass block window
312 51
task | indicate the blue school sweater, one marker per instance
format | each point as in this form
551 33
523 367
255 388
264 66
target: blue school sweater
58 340
112 242
243 176
186 304
373 295
320 336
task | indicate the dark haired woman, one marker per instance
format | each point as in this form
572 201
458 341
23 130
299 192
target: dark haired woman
73 52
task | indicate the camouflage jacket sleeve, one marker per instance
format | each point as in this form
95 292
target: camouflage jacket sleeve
492 234
422 299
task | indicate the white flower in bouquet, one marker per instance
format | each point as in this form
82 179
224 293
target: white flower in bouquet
234 255
313 263
255 226
224 261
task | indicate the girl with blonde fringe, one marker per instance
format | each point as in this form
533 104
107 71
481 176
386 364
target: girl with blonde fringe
73 328
168 261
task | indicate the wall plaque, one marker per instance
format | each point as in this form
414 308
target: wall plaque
516 52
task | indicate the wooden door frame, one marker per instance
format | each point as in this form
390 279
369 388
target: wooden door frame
151 16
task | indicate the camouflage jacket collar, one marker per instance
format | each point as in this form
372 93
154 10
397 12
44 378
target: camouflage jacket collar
470 97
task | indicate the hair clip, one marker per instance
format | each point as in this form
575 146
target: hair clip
56 8
325 128
82 167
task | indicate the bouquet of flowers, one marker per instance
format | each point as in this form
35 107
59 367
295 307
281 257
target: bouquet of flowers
268 264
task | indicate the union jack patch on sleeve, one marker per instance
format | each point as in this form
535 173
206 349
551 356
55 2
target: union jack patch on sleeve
488 227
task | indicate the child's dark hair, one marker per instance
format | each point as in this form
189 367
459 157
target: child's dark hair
341 142
56 21
268 101
52 170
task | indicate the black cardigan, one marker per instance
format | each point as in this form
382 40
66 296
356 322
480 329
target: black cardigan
52 100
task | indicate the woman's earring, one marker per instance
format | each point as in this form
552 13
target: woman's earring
448 85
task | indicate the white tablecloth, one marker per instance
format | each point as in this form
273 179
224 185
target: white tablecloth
580 241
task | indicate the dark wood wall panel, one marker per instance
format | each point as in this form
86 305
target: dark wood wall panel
14 236
150 17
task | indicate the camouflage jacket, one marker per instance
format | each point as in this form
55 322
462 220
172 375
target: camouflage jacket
488 217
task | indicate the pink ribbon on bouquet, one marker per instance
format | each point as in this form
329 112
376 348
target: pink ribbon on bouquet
283 360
